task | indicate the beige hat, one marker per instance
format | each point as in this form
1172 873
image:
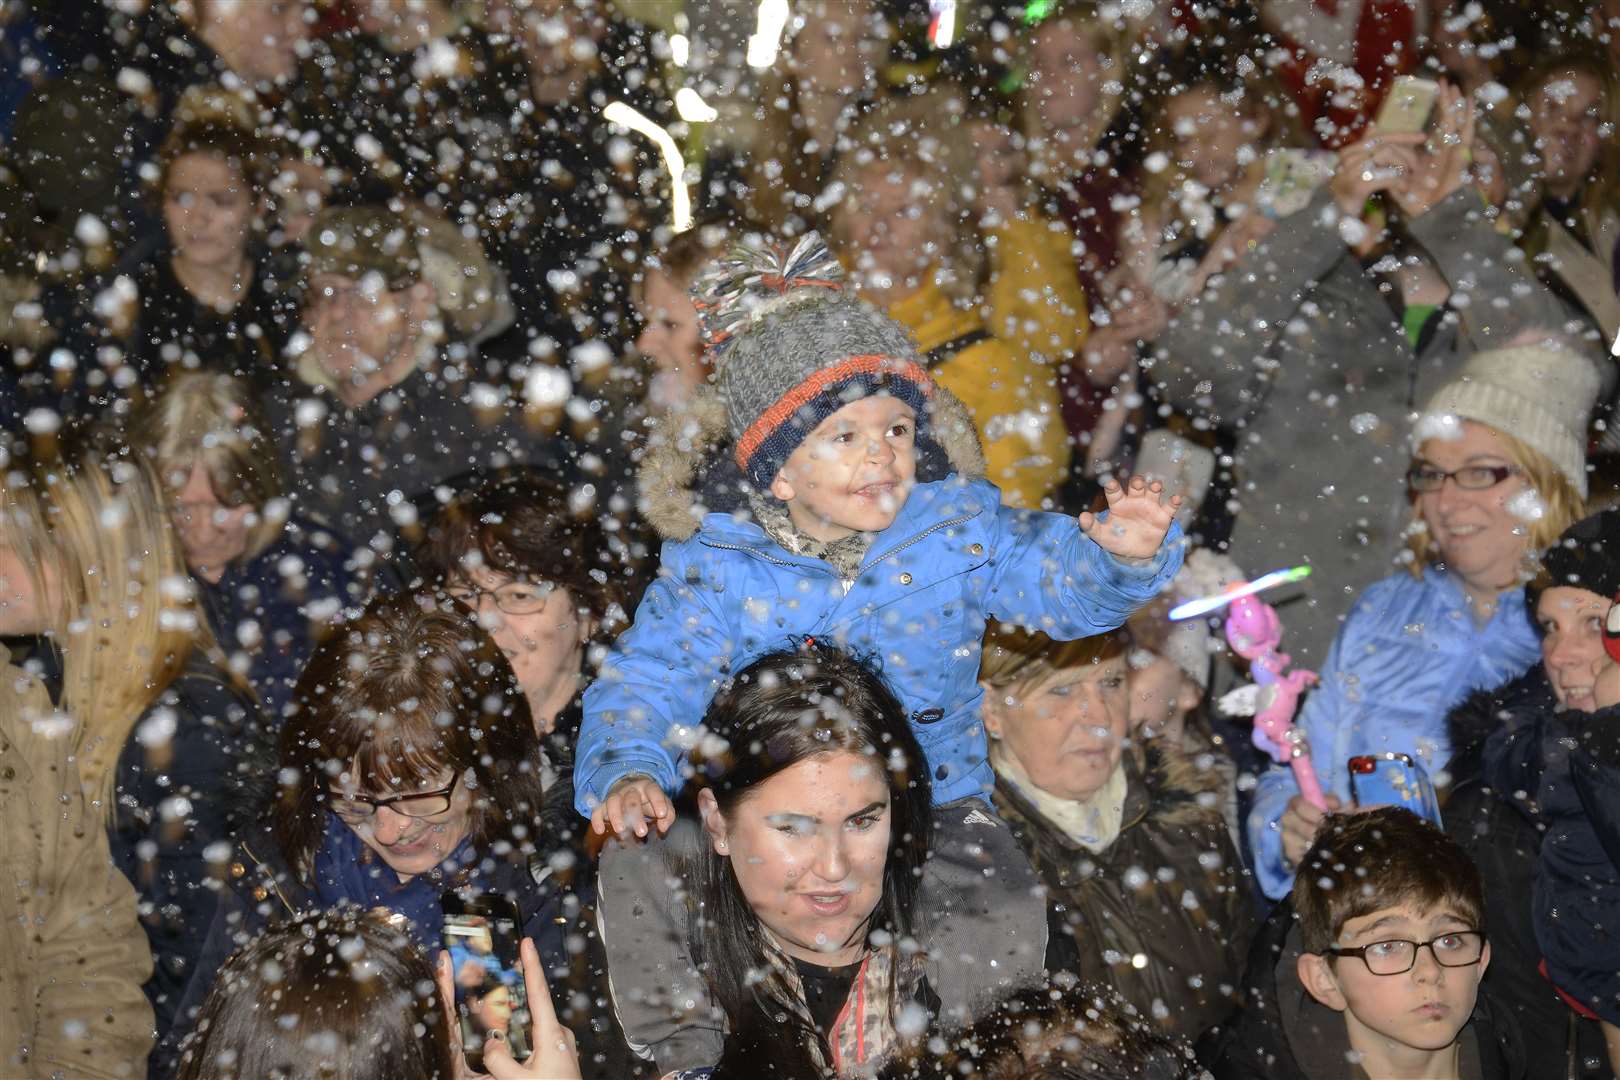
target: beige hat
1539 394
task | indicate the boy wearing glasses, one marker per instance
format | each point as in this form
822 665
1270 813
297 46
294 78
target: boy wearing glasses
1374 971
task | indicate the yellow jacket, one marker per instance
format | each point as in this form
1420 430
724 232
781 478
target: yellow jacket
1036 301
1013 396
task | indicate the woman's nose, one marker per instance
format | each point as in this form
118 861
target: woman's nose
832 862
387 825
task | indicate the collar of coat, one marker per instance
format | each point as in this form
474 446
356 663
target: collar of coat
1162 787
688 470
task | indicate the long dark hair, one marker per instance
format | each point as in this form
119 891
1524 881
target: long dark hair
329 994
405 690
784 708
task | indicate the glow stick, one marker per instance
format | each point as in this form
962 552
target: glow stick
680 201
1206 604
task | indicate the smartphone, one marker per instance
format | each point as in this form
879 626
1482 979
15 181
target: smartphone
1408 105
481 935
1391 779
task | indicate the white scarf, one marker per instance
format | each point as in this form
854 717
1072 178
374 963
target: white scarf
1094 823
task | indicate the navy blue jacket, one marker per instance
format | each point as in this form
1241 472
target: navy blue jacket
554 892
273 605
177 797
1562 769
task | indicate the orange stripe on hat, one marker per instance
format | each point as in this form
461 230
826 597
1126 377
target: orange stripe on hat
800 396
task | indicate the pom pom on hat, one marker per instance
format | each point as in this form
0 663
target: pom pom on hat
791 347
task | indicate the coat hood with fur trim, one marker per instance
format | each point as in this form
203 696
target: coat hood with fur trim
688 469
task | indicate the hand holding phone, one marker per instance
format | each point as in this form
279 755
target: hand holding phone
555 1055
489 991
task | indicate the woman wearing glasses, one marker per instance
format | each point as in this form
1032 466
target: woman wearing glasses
410 766
1499 471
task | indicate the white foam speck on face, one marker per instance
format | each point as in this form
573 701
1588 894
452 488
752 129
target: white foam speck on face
1527 506
1446 426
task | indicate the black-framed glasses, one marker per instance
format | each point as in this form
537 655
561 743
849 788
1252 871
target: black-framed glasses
513 598
1460 948
1470 478
415 804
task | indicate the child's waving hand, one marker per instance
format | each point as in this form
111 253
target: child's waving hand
1138 517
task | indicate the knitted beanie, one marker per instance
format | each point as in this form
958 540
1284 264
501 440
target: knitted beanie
1586 557
792 347
1540 395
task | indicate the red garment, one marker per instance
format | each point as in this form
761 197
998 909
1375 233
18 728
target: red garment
1384 47
1086 204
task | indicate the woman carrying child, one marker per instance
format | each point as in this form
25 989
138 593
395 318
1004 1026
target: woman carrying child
835 495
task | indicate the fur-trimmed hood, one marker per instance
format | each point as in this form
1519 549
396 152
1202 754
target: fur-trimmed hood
688 469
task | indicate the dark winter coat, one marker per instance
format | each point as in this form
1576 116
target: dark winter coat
1112 910
554 891
1506 847
273 605
178 785
359 470
1562 770
174 330
1284 1032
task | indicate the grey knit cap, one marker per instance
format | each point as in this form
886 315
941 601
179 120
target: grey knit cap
792 348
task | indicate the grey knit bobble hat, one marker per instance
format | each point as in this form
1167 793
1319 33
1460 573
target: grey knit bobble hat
792 347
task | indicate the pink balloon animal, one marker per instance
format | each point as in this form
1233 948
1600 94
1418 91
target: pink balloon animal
1254 632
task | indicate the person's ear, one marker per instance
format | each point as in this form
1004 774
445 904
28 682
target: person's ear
993 711
1484 959
1189 695
714 823
423 299
781 487
1317 976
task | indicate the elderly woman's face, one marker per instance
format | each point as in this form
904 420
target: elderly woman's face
414 835
1572 652
1068 732
1481 533
809 847
212 535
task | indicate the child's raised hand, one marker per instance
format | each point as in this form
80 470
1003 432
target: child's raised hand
630 804
1138 518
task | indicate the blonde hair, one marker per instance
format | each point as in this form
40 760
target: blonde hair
1560 504
208 419
1018 659
107 567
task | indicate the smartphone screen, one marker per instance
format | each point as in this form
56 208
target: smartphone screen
1407 107
1393 780
481 936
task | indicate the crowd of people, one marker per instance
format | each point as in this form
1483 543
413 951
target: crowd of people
507 572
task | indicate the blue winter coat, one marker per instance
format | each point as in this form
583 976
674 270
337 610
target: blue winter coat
953 558
1408 652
